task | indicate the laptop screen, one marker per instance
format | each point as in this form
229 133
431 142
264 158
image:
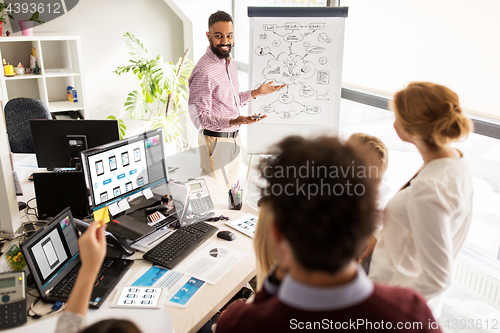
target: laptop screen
53 251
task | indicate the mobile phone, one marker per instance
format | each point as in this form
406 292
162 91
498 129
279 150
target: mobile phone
256 116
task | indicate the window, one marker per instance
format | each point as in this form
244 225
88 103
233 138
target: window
483 154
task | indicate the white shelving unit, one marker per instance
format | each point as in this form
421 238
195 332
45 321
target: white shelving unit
59 58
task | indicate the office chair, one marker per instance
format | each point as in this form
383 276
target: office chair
18 112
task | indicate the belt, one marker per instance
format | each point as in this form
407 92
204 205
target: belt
220 134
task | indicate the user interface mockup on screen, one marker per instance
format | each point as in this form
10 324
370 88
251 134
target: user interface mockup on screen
122 168
53 250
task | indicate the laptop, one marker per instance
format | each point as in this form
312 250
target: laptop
53 258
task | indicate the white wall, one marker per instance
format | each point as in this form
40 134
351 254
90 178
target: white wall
101 25
194 14
389 43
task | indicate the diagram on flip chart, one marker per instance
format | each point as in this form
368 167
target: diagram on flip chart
299 52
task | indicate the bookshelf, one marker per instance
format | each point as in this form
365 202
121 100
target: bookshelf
59 58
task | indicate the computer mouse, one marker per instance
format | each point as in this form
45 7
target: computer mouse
227 235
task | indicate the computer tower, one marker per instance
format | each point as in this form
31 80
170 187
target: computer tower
55 191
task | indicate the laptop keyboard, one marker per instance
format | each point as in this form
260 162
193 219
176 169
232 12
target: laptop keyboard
64 287
180 244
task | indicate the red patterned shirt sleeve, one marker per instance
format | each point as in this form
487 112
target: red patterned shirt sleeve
245 97
200 103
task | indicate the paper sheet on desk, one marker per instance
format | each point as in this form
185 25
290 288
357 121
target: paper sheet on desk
26 165
211 263
28 162
147 243
181 288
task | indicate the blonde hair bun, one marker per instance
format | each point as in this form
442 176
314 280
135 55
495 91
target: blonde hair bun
432 112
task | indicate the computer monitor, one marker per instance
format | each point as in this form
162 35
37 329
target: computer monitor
120 169
58 143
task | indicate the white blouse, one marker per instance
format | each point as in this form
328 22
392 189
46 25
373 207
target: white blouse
424 228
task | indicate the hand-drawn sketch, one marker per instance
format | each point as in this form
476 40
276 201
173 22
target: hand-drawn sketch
302 55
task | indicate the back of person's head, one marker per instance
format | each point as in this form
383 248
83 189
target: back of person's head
265 253
373 150
322 200
219 16
432 112
112 326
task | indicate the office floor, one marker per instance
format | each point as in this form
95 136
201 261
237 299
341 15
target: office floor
404 160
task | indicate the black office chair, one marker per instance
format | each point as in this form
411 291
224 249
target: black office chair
18 112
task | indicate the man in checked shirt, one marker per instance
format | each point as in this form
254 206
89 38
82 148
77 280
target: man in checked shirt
215 102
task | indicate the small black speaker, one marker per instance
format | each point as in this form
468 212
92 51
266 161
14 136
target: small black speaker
55 191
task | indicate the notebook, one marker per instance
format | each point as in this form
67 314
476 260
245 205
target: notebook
53 258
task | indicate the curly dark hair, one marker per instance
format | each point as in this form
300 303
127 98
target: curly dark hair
112 326
219 16
322 199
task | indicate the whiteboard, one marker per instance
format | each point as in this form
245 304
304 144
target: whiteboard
303 48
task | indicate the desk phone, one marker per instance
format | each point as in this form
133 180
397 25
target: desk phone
199 198
13 299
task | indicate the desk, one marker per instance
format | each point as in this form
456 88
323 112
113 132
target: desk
210 298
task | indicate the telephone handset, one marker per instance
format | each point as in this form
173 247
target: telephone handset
199 198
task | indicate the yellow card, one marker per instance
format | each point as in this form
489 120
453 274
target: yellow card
101 215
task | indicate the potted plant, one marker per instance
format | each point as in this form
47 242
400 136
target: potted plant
27 25
163 91
2 16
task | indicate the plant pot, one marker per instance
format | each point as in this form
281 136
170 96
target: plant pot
26 28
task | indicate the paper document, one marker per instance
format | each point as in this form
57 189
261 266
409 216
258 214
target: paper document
123 204
114 209
211 263
26 166
147 193
140 297
147 243
180 288
245 224
28 162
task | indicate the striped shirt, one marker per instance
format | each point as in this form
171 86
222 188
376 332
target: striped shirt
214 96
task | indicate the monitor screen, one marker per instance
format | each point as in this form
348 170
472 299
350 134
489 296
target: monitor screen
120 169
52 146
53 251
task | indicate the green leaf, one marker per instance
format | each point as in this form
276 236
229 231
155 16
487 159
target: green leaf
136 105
34 17
171 125
149 87
185 71
136 49
166 75
183 99
121 126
